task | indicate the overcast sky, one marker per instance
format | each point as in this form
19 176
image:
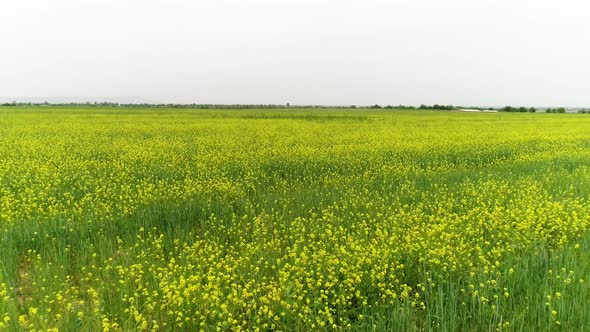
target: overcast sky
462 52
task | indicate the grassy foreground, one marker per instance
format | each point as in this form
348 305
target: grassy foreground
122 220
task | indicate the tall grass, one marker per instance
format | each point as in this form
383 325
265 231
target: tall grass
167 219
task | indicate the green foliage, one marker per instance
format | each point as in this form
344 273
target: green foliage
438 107
517 109
185 219
555 110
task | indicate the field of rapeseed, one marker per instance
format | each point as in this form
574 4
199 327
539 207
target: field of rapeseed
162 219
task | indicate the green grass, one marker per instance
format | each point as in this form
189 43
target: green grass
179 219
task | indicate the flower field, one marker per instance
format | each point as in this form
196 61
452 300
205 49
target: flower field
293 220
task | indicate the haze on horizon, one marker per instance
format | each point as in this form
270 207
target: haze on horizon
298 51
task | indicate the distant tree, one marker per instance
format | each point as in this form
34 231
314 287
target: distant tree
561 110
516 109
376 106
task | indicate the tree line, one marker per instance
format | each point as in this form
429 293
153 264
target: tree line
517 109
555 110
288 105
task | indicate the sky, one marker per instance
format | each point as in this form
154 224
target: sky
330 52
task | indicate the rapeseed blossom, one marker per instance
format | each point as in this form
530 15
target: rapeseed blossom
271 220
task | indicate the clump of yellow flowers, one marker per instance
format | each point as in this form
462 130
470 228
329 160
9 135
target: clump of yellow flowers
165 219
